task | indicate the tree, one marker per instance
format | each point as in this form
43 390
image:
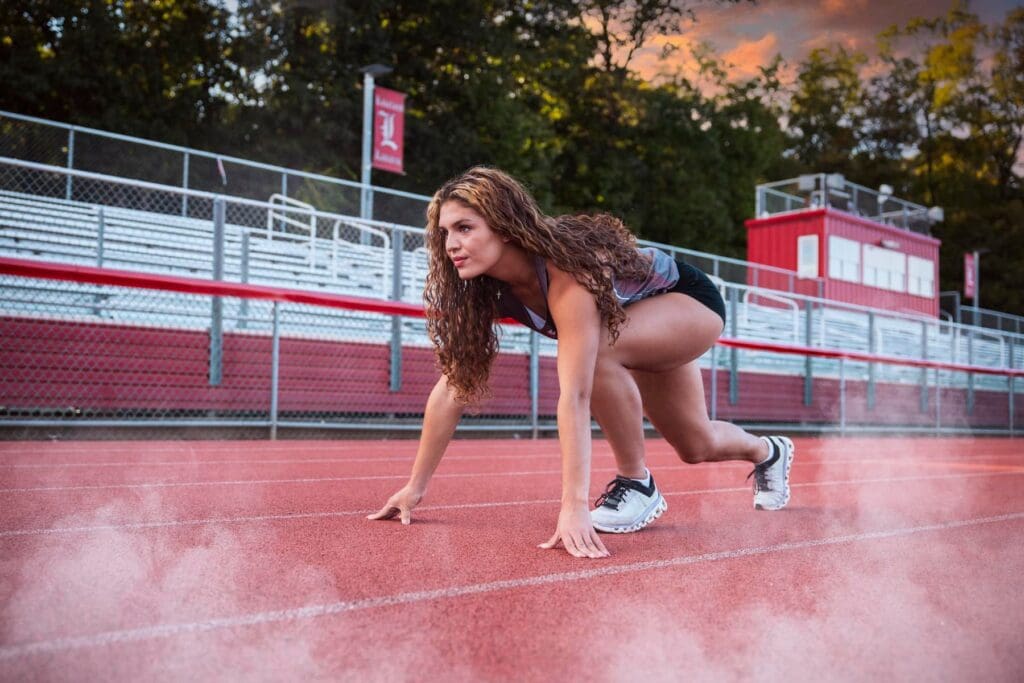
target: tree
950 109
145 68
826 114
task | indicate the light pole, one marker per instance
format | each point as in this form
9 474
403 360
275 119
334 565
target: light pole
366 193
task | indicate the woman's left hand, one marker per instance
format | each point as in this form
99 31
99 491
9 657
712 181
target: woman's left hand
577 534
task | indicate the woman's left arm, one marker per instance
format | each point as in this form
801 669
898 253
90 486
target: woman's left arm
576 316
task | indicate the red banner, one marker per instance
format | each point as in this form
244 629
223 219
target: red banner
969 289
388 129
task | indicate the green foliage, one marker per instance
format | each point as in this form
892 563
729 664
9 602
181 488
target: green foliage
145 68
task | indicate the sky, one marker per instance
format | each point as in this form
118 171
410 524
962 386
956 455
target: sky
749 35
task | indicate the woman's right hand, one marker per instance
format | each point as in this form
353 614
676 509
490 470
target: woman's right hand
400 504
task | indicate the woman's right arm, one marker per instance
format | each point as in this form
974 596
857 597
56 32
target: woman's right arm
440 418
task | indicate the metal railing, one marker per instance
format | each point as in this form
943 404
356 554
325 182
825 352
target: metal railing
177 355
821 190
88 149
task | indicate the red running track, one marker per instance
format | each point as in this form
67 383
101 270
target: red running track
164 561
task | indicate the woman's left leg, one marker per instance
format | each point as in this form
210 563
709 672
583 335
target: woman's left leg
674 403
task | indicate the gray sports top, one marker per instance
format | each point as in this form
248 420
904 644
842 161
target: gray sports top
663 275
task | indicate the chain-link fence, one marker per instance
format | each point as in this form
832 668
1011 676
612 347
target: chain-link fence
88 353
176 352
284 242
96 151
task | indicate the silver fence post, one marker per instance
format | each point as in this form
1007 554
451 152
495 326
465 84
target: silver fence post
809 361
71 163
924 371
217 305
184 184
938 402
1012 407
397 247
872 348
1012 350
101 231
284 184
842 396
275 364
534 384
243 266
734 358
714 381
970 375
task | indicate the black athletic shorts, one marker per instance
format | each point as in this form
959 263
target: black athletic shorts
694 283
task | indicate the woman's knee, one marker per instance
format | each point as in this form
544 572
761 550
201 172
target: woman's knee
607 367
696 447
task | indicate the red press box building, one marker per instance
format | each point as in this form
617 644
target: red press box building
865 246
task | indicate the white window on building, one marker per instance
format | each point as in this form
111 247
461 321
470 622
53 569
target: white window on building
921 276
807 256
843 259
885 268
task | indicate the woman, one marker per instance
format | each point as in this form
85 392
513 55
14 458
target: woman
631 325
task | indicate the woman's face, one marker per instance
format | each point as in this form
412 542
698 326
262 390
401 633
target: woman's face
469 242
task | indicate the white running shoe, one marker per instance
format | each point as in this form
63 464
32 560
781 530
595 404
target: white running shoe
627 505
771 478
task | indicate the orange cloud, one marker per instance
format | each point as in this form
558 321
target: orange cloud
746 57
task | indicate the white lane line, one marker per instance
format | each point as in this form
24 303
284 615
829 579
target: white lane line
366 477
328 447
292 461
314 480
309 480
973 460
161 631
513 448
456 506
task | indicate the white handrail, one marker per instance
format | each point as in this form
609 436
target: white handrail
273 215
745 316
998 338
366 229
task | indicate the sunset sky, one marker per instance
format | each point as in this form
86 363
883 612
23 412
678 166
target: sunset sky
750 35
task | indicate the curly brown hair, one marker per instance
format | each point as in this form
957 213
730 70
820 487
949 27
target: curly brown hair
462 314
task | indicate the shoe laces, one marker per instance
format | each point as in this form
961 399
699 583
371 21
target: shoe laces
613 494
760 475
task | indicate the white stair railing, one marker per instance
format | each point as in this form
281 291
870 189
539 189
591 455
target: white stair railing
276 216
789 303
384 253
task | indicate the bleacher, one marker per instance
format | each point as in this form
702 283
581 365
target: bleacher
266 250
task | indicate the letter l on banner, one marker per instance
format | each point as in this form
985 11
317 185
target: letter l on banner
388 129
